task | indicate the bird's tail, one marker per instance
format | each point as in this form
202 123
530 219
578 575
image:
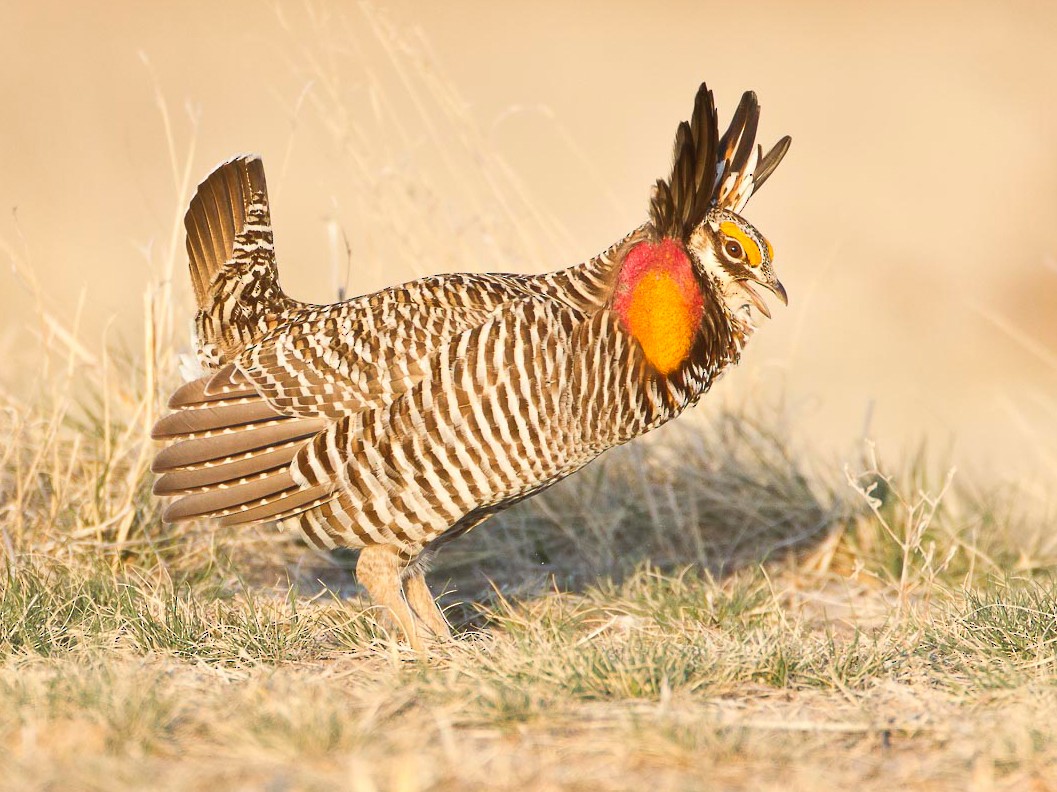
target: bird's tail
232 260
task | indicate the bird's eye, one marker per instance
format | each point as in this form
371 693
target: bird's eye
733 249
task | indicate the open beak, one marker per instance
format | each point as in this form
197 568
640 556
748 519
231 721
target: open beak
773 285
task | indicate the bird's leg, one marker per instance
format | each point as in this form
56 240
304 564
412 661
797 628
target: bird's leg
379 569
425 607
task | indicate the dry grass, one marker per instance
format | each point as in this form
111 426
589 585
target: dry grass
712 606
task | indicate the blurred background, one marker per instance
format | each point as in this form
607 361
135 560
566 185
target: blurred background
914 220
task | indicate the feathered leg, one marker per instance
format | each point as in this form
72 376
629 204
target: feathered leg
425 607
379 569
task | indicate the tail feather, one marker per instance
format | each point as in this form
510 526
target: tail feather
232 196
287 514
226 443
232 260
229 451
274 508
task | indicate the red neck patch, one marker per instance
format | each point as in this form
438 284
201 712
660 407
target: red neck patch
659 302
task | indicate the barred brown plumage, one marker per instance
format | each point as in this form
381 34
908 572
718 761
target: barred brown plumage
396 421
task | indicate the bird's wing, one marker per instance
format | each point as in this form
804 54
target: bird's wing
502 410
335 360
234 432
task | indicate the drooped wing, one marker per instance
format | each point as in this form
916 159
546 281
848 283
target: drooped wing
233 433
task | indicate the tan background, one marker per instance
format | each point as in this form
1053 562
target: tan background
914 219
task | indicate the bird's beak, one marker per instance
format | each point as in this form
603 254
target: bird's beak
770 283
779 290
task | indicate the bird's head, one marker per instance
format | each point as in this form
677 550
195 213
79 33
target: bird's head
700 259
700 205
734 256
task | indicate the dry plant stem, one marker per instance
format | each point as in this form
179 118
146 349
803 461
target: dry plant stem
918 516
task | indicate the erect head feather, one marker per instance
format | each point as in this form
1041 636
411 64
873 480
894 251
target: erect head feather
709 171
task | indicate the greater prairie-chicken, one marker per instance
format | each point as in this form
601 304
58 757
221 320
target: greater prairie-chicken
396 421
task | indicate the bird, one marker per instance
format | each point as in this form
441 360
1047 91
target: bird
394 422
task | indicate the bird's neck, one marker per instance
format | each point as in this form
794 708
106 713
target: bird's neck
679 321
677 318
659 302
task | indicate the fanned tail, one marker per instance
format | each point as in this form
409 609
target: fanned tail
232 260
